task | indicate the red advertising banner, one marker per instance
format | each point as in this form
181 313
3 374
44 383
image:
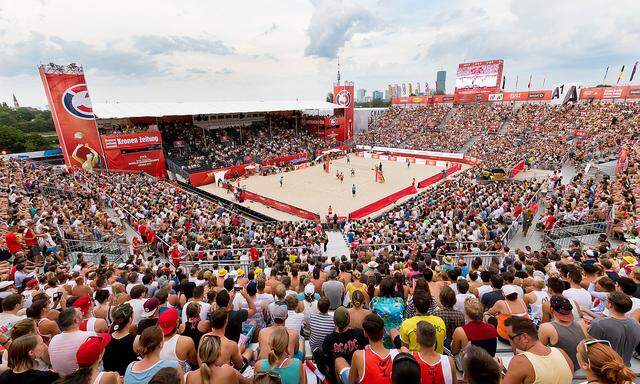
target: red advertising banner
284 207
72 116
598 93
343 95
385 201
139 152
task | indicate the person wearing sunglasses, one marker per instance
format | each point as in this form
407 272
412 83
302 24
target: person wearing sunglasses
537 363
601 364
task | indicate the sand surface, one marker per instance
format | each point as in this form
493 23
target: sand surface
314 190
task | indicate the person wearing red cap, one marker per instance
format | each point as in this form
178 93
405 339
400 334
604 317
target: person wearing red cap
89 356
89 322
176 347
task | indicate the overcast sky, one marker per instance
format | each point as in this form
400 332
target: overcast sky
193 50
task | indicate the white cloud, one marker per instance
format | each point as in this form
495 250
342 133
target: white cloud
197 50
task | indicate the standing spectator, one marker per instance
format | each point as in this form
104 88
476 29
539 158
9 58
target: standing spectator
452 318
406 369
476 331
478 367
11 305
409 327
390 308
209 352
175 346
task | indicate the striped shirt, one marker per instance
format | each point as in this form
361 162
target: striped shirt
321 325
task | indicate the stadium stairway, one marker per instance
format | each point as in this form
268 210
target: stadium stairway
442 125
337 245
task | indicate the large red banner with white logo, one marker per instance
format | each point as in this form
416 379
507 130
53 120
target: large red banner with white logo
138 152
73 117
624 92
343 95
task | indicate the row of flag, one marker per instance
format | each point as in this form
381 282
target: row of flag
407 89
633 73
529 84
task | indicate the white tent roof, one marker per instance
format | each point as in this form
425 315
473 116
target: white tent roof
125 110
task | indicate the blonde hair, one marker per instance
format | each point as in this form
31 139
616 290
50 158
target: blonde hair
208 353
279 342
473 308
605 363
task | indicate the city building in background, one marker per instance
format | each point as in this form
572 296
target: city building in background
360 94
441 78
377 95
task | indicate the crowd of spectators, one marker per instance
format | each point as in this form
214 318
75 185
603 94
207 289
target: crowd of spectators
195 149
435 128
411 313
461 214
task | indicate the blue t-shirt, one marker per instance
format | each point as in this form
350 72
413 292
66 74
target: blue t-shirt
143 377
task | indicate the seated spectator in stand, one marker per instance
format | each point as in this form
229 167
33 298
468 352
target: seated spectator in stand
405 370
538 363
478 367
23 364
208 353
602 364
63 346
409 327
562 332
141 372
338 347
622 332
89 357
371 365
290 370
475 331
436 368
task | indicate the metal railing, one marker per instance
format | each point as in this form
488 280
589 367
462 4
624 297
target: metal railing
94 250
229 264
586 234
468 256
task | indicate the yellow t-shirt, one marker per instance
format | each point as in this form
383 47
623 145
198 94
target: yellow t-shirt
351 288
409 327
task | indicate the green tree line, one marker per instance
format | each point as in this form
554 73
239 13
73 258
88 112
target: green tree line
22 129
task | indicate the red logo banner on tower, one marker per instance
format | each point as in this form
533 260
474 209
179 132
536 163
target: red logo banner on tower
73 118
343 96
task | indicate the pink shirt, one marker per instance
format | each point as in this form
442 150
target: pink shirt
62 351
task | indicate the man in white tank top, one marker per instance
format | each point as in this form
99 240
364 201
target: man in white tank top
535 299
538 363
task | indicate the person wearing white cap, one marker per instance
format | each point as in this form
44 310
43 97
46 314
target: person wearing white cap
509 307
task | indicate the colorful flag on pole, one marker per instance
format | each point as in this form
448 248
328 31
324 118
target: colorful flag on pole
15 102
529 84
606 72
404 89
410 88
633 71
620 75
504 81
516 83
